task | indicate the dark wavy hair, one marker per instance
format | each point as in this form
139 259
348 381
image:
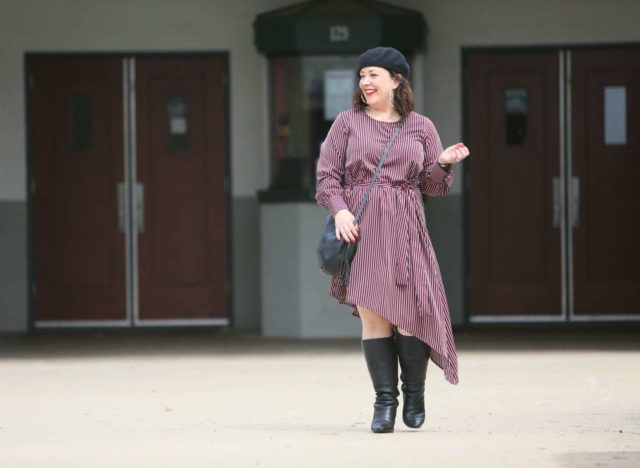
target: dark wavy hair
403 99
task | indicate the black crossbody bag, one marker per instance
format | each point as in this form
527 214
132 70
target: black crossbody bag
335 255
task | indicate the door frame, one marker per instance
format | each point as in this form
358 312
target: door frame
129 162
566 235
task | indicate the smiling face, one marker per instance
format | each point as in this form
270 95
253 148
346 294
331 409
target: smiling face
375 84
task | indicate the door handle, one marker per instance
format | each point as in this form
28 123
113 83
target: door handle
140 207
556 202
121 202
575 201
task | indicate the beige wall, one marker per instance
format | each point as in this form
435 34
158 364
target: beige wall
226 25
136 25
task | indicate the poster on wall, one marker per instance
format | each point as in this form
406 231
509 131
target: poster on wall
338 89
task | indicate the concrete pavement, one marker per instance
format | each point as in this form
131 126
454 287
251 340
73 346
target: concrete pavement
527 398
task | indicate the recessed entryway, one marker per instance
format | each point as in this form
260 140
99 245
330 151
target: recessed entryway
129 190
553 218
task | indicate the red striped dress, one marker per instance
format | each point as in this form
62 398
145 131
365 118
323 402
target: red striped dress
394 272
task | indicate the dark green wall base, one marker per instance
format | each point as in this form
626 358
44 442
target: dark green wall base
245 241
13 266
445 224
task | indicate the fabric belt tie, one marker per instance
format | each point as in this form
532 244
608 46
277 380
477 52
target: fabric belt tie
405 206
408 207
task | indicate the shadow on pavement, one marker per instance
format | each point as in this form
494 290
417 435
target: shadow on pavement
597 459
215 341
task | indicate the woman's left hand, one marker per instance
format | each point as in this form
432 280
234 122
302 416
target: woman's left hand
453 154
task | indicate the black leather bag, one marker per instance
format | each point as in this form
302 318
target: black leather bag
335 255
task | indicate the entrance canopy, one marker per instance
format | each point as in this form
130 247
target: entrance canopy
338 26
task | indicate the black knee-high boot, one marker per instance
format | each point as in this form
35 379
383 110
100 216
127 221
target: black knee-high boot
414 356
382 362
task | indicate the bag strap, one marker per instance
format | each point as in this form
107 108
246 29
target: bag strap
375 174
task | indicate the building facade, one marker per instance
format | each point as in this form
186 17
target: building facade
135 138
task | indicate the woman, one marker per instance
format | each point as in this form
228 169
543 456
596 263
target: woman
395 282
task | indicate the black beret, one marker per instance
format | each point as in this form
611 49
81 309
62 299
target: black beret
385 57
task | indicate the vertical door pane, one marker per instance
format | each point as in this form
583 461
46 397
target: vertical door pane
516 105
80 107
615 115
178 125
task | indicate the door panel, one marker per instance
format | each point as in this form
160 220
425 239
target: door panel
606 159
181 150
514 256
77 157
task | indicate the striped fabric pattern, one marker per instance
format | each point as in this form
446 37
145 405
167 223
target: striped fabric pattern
395 272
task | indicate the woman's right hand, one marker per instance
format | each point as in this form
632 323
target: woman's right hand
345 229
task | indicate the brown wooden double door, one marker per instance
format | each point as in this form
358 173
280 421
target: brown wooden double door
553 206
128 159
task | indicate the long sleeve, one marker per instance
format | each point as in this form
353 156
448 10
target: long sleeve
331 167
434 180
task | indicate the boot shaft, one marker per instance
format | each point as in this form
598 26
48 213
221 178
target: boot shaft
413 355
382 362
